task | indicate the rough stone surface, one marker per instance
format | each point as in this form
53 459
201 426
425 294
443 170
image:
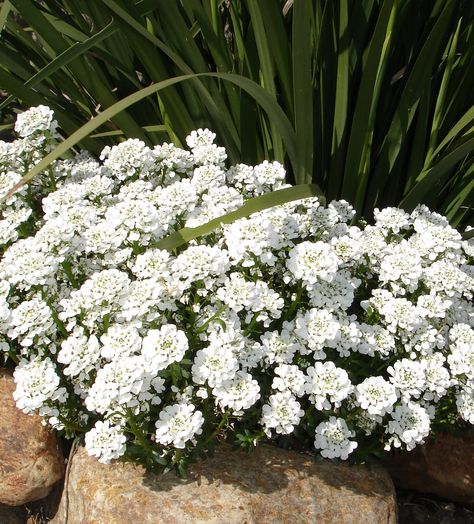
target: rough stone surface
30 461
268 486
443 467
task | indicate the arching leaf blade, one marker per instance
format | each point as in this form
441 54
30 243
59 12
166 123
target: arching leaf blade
253 205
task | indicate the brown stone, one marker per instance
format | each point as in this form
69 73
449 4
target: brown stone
30 461
269 485
442 467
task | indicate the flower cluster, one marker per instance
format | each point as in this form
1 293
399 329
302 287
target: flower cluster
291 323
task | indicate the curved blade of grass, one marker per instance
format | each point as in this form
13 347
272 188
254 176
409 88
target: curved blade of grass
252 205
119 132
443 92
460 199
65 57
460 125
257 92
341 101
221 117
357 166
279 43
403 117
303 91
266 68
4 12
430 179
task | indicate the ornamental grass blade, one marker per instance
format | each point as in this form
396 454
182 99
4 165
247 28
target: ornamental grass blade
341 101
266 70
258 93
406 109
221 117
357 162
303 90
63 59
4 12
252 205
429 182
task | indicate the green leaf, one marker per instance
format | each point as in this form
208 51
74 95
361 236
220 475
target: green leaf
252 205
119 132
341 101
431 179
357 162
266 68
303 91
407 105
4 12
65 58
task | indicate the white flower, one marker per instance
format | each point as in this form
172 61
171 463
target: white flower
332 438
327 385
376 340
461 360
105 442
164 346
35 120
311 261
289 378
120 340
153 263
446 277
408 376
465 403
36 383
317 328
335 295
252 237
282 413
279 348
199 138
410 425
376 395
401 263
31 320
80 353
97 297
238 393
402 314
127 158
438 379
178 424
215 363
433 306
123 383
391 219
25 264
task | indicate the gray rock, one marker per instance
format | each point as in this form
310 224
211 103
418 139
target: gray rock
268 486
30 461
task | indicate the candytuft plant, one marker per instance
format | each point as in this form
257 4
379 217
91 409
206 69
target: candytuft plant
288 324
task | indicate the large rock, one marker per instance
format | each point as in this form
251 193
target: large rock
443 467
268 486
30 461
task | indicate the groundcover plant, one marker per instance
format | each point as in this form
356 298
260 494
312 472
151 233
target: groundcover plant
292 325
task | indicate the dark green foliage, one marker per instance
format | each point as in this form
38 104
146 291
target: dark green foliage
372 100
